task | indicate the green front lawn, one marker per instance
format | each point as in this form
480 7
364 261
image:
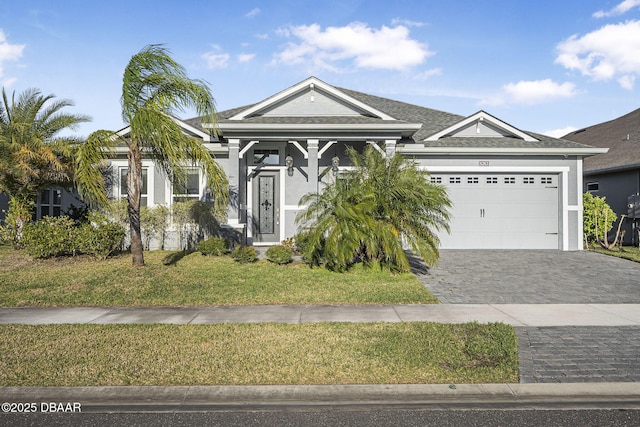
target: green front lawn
238 354
627 252
193 280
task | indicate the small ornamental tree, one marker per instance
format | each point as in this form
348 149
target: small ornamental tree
596 209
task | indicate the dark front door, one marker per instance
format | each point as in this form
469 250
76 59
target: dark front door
266 207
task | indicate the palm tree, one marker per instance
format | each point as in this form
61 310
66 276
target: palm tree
33 155
154 89
369 212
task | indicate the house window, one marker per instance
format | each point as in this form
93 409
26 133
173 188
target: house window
454 180
266 157
546 180
528 180
509 180
50 202
592 187
472 180
188 186
143 190
492 180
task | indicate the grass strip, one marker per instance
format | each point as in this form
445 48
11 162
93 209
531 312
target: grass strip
626 252
194 280
267 353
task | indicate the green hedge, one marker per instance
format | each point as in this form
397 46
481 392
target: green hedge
60 236
244 254
215 246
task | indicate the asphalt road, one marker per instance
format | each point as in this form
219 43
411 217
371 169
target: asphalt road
329 417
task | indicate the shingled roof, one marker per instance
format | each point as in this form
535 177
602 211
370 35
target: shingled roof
433 121
621 136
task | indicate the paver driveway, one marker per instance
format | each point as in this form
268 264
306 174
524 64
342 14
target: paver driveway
550 354
532 277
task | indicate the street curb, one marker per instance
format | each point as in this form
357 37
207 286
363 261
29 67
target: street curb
191 398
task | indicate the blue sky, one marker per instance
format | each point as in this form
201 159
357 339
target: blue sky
549 66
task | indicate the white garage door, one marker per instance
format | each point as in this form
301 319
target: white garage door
501 211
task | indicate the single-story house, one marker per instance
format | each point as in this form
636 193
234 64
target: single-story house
615 174
510 189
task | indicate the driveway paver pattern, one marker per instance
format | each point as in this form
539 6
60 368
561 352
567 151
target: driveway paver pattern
532 277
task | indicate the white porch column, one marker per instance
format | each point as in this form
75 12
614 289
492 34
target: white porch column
234 179
390 147
312 149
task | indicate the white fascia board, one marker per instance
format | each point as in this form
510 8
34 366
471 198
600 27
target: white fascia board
205 136
482 115
303 85
358 127
501 151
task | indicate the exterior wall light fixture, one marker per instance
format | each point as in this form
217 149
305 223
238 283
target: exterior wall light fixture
288 161
335 163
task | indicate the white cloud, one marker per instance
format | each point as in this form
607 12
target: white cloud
609 52
425 75
384 48
246 57
216 58
252 13
407 22
559 133
8 52
620 9
531 92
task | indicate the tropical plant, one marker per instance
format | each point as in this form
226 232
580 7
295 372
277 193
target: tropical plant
598 217
155 87
33 154
372 210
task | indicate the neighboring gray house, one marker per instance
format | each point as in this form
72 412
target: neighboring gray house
510 189
615 174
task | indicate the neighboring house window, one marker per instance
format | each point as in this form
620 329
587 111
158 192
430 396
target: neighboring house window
472 180
454 180
492 180
266 157
592 187
528 180
143 191
50 202
509 180
188 187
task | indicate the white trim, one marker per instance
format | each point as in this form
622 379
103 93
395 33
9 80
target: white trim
299 147
420 149
499 169
246 148
313 83
325 148
479 117
377 147
294 207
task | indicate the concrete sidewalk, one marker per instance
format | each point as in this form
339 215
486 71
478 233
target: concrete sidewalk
537 315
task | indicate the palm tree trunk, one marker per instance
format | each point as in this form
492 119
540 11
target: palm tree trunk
134 184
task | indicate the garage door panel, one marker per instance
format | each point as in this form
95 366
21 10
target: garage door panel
502 212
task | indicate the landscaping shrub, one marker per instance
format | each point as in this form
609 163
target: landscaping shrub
215 246
596 208
279 254
244 254
309 255
49 237
100 240
59 236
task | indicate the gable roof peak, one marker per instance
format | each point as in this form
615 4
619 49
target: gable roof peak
485 118
311 83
